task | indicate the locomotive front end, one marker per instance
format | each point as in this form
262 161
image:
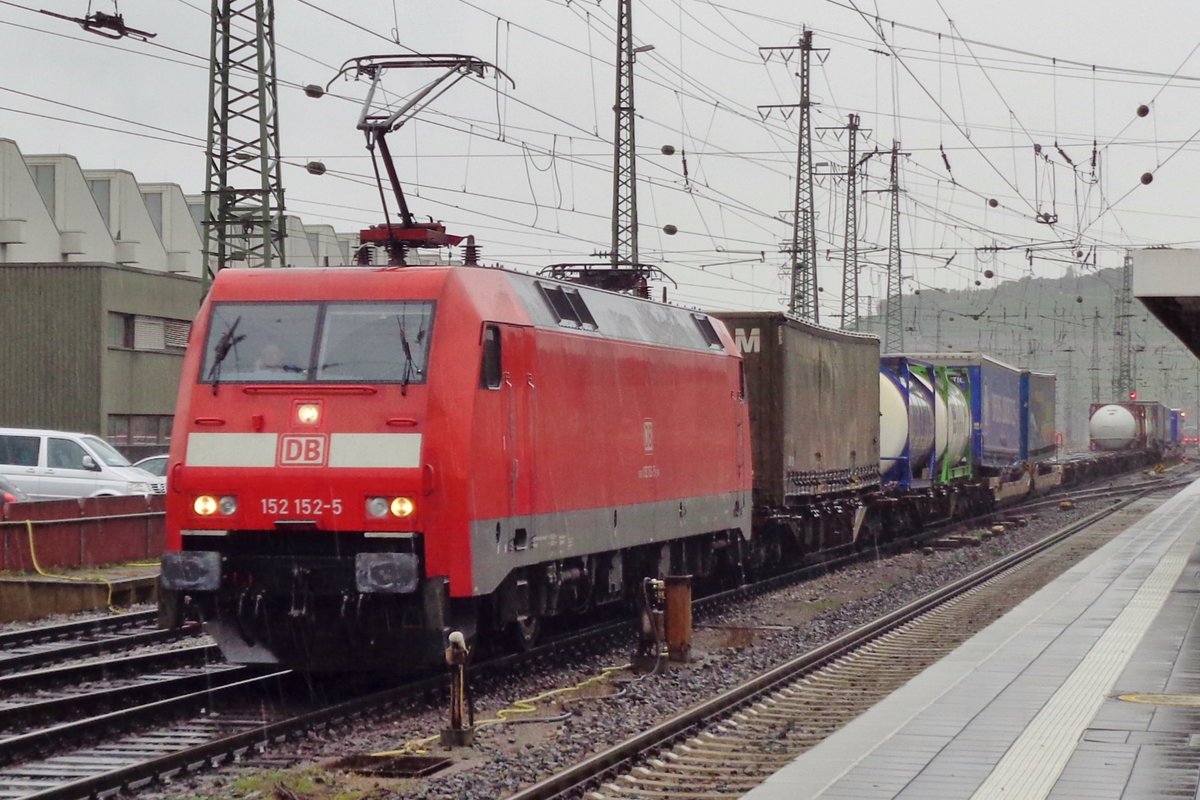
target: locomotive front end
297 512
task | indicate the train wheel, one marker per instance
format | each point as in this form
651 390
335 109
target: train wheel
524 632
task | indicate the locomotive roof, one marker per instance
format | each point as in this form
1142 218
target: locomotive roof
496 294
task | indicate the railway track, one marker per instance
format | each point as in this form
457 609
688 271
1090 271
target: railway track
731 743
205 728
182 732
38 647
92 769
58 694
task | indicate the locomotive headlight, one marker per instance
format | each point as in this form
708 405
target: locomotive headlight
402 507
308 413
228 505
377 507
205 505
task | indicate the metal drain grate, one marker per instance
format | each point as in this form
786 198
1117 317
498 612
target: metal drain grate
392 766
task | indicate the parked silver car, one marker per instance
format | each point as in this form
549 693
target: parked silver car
50 465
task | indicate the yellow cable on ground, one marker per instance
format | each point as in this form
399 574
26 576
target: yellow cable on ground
524 706
44 574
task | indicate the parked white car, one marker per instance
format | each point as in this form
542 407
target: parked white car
156 466
51 465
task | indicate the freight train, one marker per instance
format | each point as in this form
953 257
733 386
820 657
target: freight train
365 459
1133 425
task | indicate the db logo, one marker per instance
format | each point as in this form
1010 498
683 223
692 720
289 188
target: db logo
302 450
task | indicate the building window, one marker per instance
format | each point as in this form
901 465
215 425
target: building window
197 212
101 189
43 178
175 333
149 333
152 334
154 204
139 430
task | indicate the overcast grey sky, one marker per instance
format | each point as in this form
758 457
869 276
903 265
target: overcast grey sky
973 85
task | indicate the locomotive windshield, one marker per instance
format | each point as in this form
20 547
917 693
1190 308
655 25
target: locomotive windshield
318 342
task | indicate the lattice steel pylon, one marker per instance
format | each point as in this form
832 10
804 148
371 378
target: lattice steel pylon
1122 379
803 249
243 197
1095 366
624 203
893 336
850 257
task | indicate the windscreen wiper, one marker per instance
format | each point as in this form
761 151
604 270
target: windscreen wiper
408 359
226 343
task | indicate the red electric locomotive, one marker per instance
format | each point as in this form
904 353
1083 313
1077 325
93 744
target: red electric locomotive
365 459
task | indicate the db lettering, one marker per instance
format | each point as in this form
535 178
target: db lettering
306 450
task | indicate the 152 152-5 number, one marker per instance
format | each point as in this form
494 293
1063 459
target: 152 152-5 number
300 506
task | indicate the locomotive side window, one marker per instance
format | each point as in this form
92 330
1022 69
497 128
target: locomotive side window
492 372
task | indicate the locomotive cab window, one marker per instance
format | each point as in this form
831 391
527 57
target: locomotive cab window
492 372
322 342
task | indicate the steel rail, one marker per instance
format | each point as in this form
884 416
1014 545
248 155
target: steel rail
11 663
623 754
44 709
231 746
96 670
68 630
53 736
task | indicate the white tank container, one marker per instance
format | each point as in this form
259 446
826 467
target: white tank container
899 425
953 424
1113 427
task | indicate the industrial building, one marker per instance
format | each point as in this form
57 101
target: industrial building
99 282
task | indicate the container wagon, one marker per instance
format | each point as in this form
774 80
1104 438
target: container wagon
1038 434
814 426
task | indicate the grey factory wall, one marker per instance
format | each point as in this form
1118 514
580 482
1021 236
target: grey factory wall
63 364
137 381
49 335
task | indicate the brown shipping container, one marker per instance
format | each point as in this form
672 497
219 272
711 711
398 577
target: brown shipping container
814 406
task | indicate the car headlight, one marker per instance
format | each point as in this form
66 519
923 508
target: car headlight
139 487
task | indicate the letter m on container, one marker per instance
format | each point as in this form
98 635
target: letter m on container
747 343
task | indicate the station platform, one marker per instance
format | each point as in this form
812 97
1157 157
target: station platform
1089 689
25 597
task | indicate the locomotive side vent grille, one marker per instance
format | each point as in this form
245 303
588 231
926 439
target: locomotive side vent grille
708 331
568 307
